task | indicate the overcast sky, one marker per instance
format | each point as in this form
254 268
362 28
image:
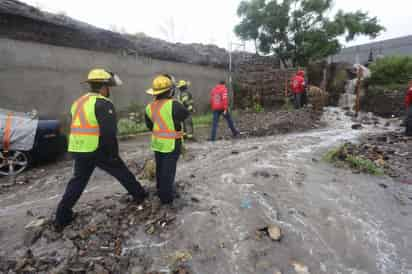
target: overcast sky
210 21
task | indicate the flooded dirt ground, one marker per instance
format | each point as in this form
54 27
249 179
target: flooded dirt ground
332 220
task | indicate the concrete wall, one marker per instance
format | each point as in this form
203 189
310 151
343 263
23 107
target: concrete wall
48 78
360 54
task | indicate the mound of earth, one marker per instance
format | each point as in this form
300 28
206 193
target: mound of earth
278 122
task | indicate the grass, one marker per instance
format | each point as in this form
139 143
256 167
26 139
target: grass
130 127
340 155
202 120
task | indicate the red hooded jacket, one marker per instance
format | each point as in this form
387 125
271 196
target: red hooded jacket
219 98
408 98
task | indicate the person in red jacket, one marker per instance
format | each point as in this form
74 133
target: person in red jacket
219 102
297 85
408 104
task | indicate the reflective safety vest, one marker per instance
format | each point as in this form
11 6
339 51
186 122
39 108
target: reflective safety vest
84 129
164 134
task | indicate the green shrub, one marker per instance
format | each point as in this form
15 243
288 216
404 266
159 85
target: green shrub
342 155
391 70
258 108
130 127
202 120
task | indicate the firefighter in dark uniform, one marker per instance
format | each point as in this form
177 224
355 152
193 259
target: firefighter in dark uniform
164 117
185 98
93 143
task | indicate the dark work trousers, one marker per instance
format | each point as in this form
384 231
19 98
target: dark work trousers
165 175
84 165
408 122
298 100
188 127
228 117
304 98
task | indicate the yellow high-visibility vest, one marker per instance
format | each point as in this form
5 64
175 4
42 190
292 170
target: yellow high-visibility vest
164 134
84 129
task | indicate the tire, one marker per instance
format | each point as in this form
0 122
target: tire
13 163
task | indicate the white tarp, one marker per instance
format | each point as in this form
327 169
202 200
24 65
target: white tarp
22 131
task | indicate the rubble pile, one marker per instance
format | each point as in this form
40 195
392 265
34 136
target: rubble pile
94 242
392 151
389 152
278 122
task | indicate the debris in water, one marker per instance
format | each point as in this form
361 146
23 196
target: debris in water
300 268
356 126
273 231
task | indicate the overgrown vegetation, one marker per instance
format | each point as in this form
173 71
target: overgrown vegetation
343 156
391 72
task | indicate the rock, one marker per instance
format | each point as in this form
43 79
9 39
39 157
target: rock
181 270
149 170
300 268
36 223
275 233
262 173
357 126
137 270
180 256
98 269
31 236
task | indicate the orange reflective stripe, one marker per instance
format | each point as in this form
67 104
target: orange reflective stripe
168 135
80 114
157 118
7 132
164 132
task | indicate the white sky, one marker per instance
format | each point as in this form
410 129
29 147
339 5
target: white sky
210 21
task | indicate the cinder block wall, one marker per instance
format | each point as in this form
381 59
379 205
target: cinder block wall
48 78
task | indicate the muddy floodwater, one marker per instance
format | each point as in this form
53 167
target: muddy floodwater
332 220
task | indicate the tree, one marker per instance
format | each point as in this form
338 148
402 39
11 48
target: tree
299 31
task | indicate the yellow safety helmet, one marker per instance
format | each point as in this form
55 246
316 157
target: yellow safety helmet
162 84
103 76
183 83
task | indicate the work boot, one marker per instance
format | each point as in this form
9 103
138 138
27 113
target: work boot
58 227
141 198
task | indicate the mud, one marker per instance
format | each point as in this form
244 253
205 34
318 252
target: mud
331 220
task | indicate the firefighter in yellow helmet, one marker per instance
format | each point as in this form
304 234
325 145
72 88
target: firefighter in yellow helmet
185 97
93 143
164 117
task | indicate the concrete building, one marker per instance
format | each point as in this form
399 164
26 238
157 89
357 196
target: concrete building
362 53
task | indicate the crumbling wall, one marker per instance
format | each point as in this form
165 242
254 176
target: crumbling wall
48 78
383 101
331 77
260 80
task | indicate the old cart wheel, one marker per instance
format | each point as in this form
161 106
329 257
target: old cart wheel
13 162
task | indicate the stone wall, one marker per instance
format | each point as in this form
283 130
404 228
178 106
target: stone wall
48 78
23 22
260 80
384 102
